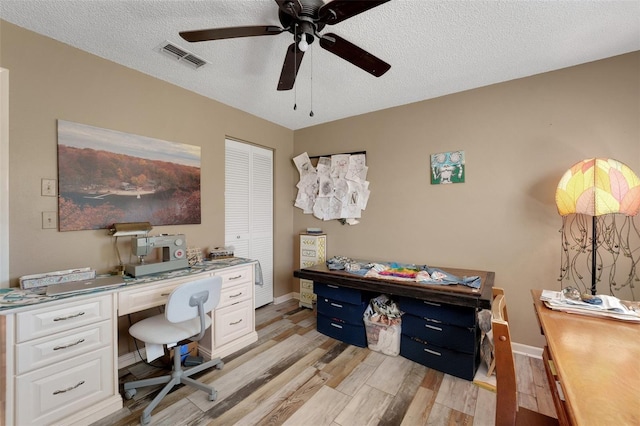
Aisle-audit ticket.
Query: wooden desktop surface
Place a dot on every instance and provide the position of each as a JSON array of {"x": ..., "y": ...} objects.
[{"x": 598, "y": 364}]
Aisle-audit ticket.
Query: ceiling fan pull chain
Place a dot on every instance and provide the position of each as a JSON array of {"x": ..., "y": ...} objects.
[
  {"x": 295, "y": 64},
  {"x": 311, "y": 112}
]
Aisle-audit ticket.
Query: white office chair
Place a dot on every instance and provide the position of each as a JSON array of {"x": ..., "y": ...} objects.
[{"x": 185, "y": 317}]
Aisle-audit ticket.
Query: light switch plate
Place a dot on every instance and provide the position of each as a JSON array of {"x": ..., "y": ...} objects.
[
  {"x": 49, "y": 220},
  {"x": 48, "y": 187}
]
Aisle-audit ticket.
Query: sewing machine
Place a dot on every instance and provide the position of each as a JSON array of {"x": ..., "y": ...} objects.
[{"x": 174, "y": 254}]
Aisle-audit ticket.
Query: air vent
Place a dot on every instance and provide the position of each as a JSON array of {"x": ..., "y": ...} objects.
[{"x": 181, "y": 55}]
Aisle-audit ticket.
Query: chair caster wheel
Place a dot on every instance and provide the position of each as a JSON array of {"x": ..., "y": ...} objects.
[
  {"x": 213, "y": 396},
  {"x": 219, "y": 365},
  {"x": 145, "y": 420},
  {"x": 129, "y": 393}
]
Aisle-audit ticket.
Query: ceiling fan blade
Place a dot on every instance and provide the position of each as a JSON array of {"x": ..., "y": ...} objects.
[
  {"x": 338, "y": 10},
  {"x": 230, "y": 32},
  {"x": 290, "y": 7},
  {"x": 352, "y": 53},
  {"x": 290, "y": 67}
]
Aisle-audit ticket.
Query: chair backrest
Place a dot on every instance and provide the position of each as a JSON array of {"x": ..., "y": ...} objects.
[
  {"x": 506, "y": 386},
  {"x": 496, "y": 292},
  {"x": 193, "y": 299}
]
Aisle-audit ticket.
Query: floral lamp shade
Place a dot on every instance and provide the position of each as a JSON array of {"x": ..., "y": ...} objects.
[{"x": 598, "y": 186}]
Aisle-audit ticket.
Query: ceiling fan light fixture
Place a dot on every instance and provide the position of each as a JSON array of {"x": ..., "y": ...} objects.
[{"x": 303, "y": 45}]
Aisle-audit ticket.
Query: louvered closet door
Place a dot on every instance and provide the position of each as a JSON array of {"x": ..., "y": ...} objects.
[{"x": 249, "y": 209}]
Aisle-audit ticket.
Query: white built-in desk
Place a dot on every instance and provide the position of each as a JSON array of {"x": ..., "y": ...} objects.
[{"x": 59, "y": 355}]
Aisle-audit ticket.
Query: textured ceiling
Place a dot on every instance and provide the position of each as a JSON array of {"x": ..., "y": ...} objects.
[{"x": 434, "y": 47}]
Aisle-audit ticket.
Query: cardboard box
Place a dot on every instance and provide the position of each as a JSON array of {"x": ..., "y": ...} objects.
[{"x": 190, "y": 349}]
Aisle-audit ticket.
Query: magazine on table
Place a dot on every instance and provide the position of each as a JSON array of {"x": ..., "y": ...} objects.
[{"x": 610, "y": 306}]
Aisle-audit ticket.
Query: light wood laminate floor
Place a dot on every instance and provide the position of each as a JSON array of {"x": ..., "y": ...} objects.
[{"x": 294, "y": 375}]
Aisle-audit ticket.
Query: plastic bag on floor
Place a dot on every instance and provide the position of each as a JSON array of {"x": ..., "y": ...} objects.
[{"x": 383, "y": 325}]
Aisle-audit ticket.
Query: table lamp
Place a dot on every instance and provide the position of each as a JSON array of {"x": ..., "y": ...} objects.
[
  {"x": 598, "y": 188},
  {"x": 126, "y": 229}
]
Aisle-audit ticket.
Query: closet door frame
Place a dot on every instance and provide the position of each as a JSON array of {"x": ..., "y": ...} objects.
[
  {"x": 249, "y": 183},
  {"x": 4, "y": 178}
]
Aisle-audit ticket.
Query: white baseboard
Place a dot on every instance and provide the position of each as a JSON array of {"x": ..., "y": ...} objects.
[
  {"x": 527, "y": 350},
  {"x": 282, "y": 299},
  {"x": 130, "y": 358}
]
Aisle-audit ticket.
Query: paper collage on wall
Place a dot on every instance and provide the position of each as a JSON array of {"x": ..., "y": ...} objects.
[
  {"x": 336, "y": 188},
  {"x": 447, "y": 167}
]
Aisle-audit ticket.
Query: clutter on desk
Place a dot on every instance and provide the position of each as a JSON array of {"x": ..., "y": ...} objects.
[
  {"x": 601, "y": 305},
  {"x": 220, "y": 253},
  {"x": 56, "y": 277},
  {"x": 382, "y": 320},
  {"x": 194, "y": 255},
  {"x": 14, "y": 297},
  {"x": 402, "y": 272}
]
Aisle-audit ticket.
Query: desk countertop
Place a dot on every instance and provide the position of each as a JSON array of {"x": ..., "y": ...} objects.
[
  {"x": 12, "y": 298},
  {"x": 598, "y": 364}
]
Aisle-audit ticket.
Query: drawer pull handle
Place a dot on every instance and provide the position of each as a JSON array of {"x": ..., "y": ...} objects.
[
  {"x": 68, "y": 389},
  {"x": 236, "y": 322},
  {"x": 433, "y": 327},
  {"x": 165, "y": 294},
  {"x": 336, "y": 325},
  {"x": 433, "y": 352},
  {"x": 236, "y": 295},
  {"x": 235, "y": 278},
  {"x": 336, "y": 305},
  {"x": 79, "y": 314},
  {"x": 57, "y": 348},
  {"x": 431, "y": 303},
  {"x": 332, "y": 286}
]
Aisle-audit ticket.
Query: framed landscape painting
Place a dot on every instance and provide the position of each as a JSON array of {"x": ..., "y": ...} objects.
[{"x": 106, "y": 177}]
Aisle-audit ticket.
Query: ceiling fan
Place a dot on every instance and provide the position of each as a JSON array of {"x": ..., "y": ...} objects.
[{"x": 305, "y": 19}]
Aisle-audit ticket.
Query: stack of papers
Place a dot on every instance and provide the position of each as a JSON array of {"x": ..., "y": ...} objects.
[{"x": 611, "y": 306}]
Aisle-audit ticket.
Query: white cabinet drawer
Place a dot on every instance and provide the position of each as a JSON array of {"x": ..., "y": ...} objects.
[
  {"x": 235, "y": 276},
  {"x": 234, "y": 294},
  {"x": 54, "y": 319},
  {"x": 62, "y": 346},
  {"x": 49, "y": 394},
  {"x": 232, "y": 322},
  {"x": 145, "y": 297}
]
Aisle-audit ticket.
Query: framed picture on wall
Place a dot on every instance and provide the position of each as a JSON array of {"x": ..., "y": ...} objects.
[
  {"x": 106, "y": 177},
  {"x": 447, "y": 167}
]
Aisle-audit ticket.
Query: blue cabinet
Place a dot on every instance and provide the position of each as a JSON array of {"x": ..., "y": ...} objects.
[
  {"x": 340, "y": 311},
  {"x": 441, "y": 336}
]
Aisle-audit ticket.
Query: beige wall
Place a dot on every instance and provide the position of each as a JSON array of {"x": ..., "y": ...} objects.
[
  {"x": 519, "y": 138},
  {"x": 50, "y": 80}
]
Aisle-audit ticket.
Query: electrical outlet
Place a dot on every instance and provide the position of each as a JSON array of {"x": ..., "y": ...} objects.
[
  {"x": 48, "y": 187},
  {"x": 49, "y": 220}
]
